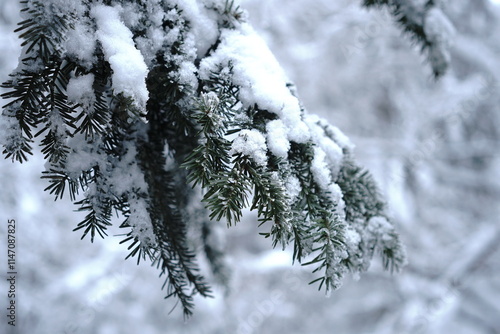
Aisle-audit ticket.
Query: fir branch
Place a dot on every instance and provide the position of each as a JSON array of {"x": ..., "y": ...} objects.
[
  {"x": 58, "y": 180},
  {"x": 93, "y": 122},
  {"x": 272, "y": 203},
  {"x": 187, "y": 139},
  {"x": 300, "y": 236},
  {"x": 327, "y": 233},
  {"x": 136, "y": 248},
  {"x": 361, "y": 194},
  {"x": 175, "y": 281},
  {"x": 17, "y": 148},
  {"x": 94, "y": 119},
  {"x": 380, "y": 236},
  {"x": 173, "y": 257},
  {"x": 411, "y": 18},
  {"x": 97, "y": 220},
  {"x": 232, "y": 14},
  {"x": 166, "y": 94},
  {"x": 57, "y": 113},
  {"x": 210, "y": 164},
  {"x": 325, "y": 229},
  {"x": 228, "y": 193},
  {"x": 39, "y": 88},
  {"x": 27, "y": 94},
  {"x": 209, "y": 158},
  {"x": 41, "y": 32},
  {"x": 54, "y": 148},
  {"x": 172, "y": 254},
  {"x": 98, "y": 201}
]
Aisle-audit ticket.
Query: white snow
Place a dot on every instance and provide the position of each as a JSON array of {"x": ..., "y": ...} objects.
[
  {"x": 61, "y": 7},
  {"x": 127, "y": 63},
  {"x": 151, "y": 44},
  {"x": 322, "y": 174},
  {"x": 352, "y": 238},
  {"x": 203, "y": 23},
  {"x": 277, "y": 140},
  {"x": 57, "y": 126},
  {"x": 261, "y": 80},
  {"x": 251, "y": 143},
  {"x": 333, "y": 151},
  {"x": 155, "y": 35},
  {"x": 293, "y": 188},
  {"x": 187, "y": 74},
  {"x": 172, "y": 35},
  {"x": 10, "y": 132},
  {"x": 81, "y": 43},
  {"x": 79, "y": 90},
  {"x": 210, "y": 102},
  {"x": 139, "y": 219},
  {"x": 126, "y": 173},
  {"x": 83, "y": 156},
  {"x": 379, "y": 225},
  {"x": 320, "y": 170},
  {"x": 130, "y": 14},
  {"x": 337, "y": 135},
  {"x": 335, "y": 194}
]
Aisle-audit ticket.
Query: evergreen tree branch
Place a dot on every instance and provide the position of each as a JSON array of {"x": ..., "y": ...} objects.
[
  {"x": 207, "y": 123},
  {"x": 413, "y": 18}
]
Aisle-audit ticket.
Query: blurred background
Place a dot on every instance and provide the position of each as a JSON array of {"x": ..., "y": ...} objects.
[{"x": 433, "y": 146}]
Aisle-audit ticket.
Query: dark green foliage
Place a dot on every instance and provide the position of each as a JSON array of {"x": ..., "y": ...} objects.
[
  {"x": 97, "y": 219},
  {"x": 37, "y": 91},
  {"x": 361, "y": 195},
  {"x": 171, "y": 256},
  {"x": 58, "y": 180},
  {"x": 149, "y": 162},
  {"x": 327, "y": 234}
]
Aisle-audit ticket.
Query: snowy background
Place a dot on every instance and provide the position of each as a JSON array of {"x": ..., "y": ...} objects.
[{"x": 434, "y": 147}]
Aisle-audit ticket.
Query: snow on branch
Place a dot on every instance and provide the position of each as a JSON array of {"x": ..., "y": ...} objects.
[{"x": 167, "y": 100}]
